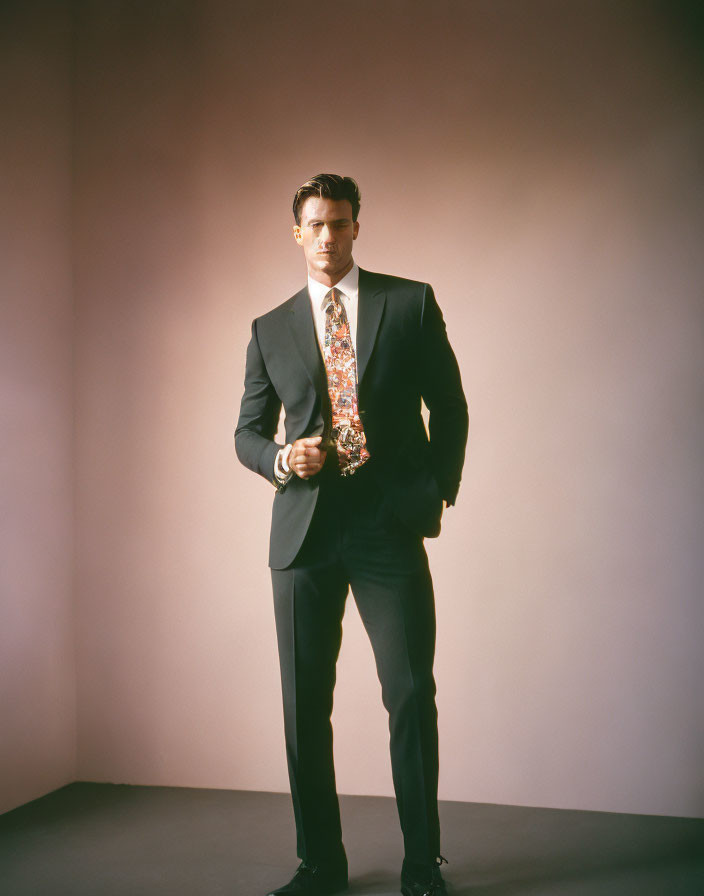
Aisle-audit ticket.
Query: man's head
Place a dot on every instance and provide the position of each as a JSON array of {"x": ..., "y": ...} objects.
[{"x": 325, "y": 209}]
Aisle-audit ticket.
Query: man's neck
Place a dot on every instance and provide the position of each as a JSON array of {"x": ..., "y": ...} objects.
[{"x": 329, "y": 280}]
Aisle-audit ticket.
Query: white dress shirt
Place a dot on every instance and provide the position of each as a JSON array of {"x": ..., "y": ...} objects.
[{"x": 348, "y": 288}]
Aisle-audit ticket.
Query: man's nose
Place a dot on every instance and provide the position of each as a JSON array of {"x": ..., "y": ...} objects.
[{"x": 326, "y": 234}]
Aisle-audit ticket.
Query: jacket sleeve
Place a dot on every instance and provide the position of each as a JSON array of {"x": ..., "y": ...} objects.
[
  {"x": 441, "y": 388},
  {"x": 259, "y": 415}
]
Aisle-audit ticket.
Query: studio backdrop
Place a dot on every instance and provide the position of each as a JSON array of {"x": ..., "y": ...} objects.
[{"x": 540, "y": 165}]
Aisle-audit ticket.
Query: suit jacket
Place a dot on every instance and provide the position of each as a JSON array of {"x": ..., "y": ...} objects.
[{"x": 403, "y": 356}]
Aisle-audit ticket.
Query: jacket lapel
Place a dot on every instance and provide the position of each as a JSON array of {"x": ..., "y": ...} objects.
[
  {"x": 301, "y": 323},
  {"x": 369, "y": 313}
]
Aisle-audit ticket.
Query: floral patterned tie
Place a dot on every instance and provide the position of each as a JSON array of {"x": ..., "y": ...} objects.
[{"x": 341, "y": 366}]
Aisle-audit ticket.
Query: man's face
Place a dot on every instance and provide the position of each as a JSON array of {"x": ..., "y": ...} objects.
[{"x": 326, "y": 234}]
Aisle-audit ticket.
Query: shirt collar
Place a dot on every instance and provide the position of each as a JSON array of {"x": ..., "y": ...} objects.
[{"x": 348, "y": 286}]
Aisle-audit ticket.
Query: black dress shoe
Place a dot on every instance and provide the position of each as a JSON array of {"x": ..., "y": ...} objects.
[
  {"x": 314, "y": 880},
  {"x": 419, "y": 880}
]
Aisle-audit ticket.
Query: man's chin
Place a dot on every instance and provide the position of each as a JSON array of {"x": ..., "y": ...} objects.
[
  {"x": 331, "y": 267},
  {"x": 325, "y": 269}
]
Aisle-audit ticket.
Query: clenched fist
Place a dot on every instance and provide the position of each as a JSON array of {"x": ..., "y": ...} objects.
[{"x": 306, "y": 457}]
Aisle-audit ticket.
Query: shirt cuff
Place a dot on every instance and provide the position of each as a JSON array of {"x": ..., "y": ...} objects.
[{"x": 282, "y": 471}]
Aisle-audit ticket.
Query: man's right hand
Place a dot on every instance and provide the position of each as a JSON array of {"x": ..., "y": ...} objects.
[{"x": 307, "y": 457}]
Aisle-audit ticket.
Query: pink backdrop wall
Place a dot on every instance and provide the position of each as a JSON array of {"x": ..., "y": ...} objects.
[
  {"x": 37, "y": 650},
  {"x": 541, "y": 170}
]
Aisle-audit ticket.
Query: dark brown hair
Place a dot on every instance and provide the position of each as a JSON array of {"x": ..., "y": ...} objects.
[{"x": 327, "y": 186}]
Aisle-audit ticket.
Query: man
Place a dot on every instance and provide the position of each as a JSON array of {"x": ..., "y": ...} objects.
[{"x": 358, "y": 486}]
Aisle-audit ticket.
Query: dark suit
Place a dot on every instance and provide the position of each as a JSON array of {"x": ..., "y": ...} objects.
[{"x": 366, "y": 530}]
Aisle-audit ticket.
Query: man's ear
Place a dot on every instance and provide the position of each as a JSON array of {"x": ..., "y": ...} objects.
[
  {"x": 355, "y": 230},
  {"x": 297, "y": 234}
]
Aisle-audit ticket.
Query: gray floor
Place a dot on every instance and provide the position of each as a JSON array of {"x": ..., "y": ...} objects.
[{"x": 107, "y": 840}]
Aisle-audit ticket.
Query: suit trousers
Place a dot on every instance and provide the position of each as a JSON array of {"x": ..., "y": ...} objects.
[{"x": 355, "y": 540}]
